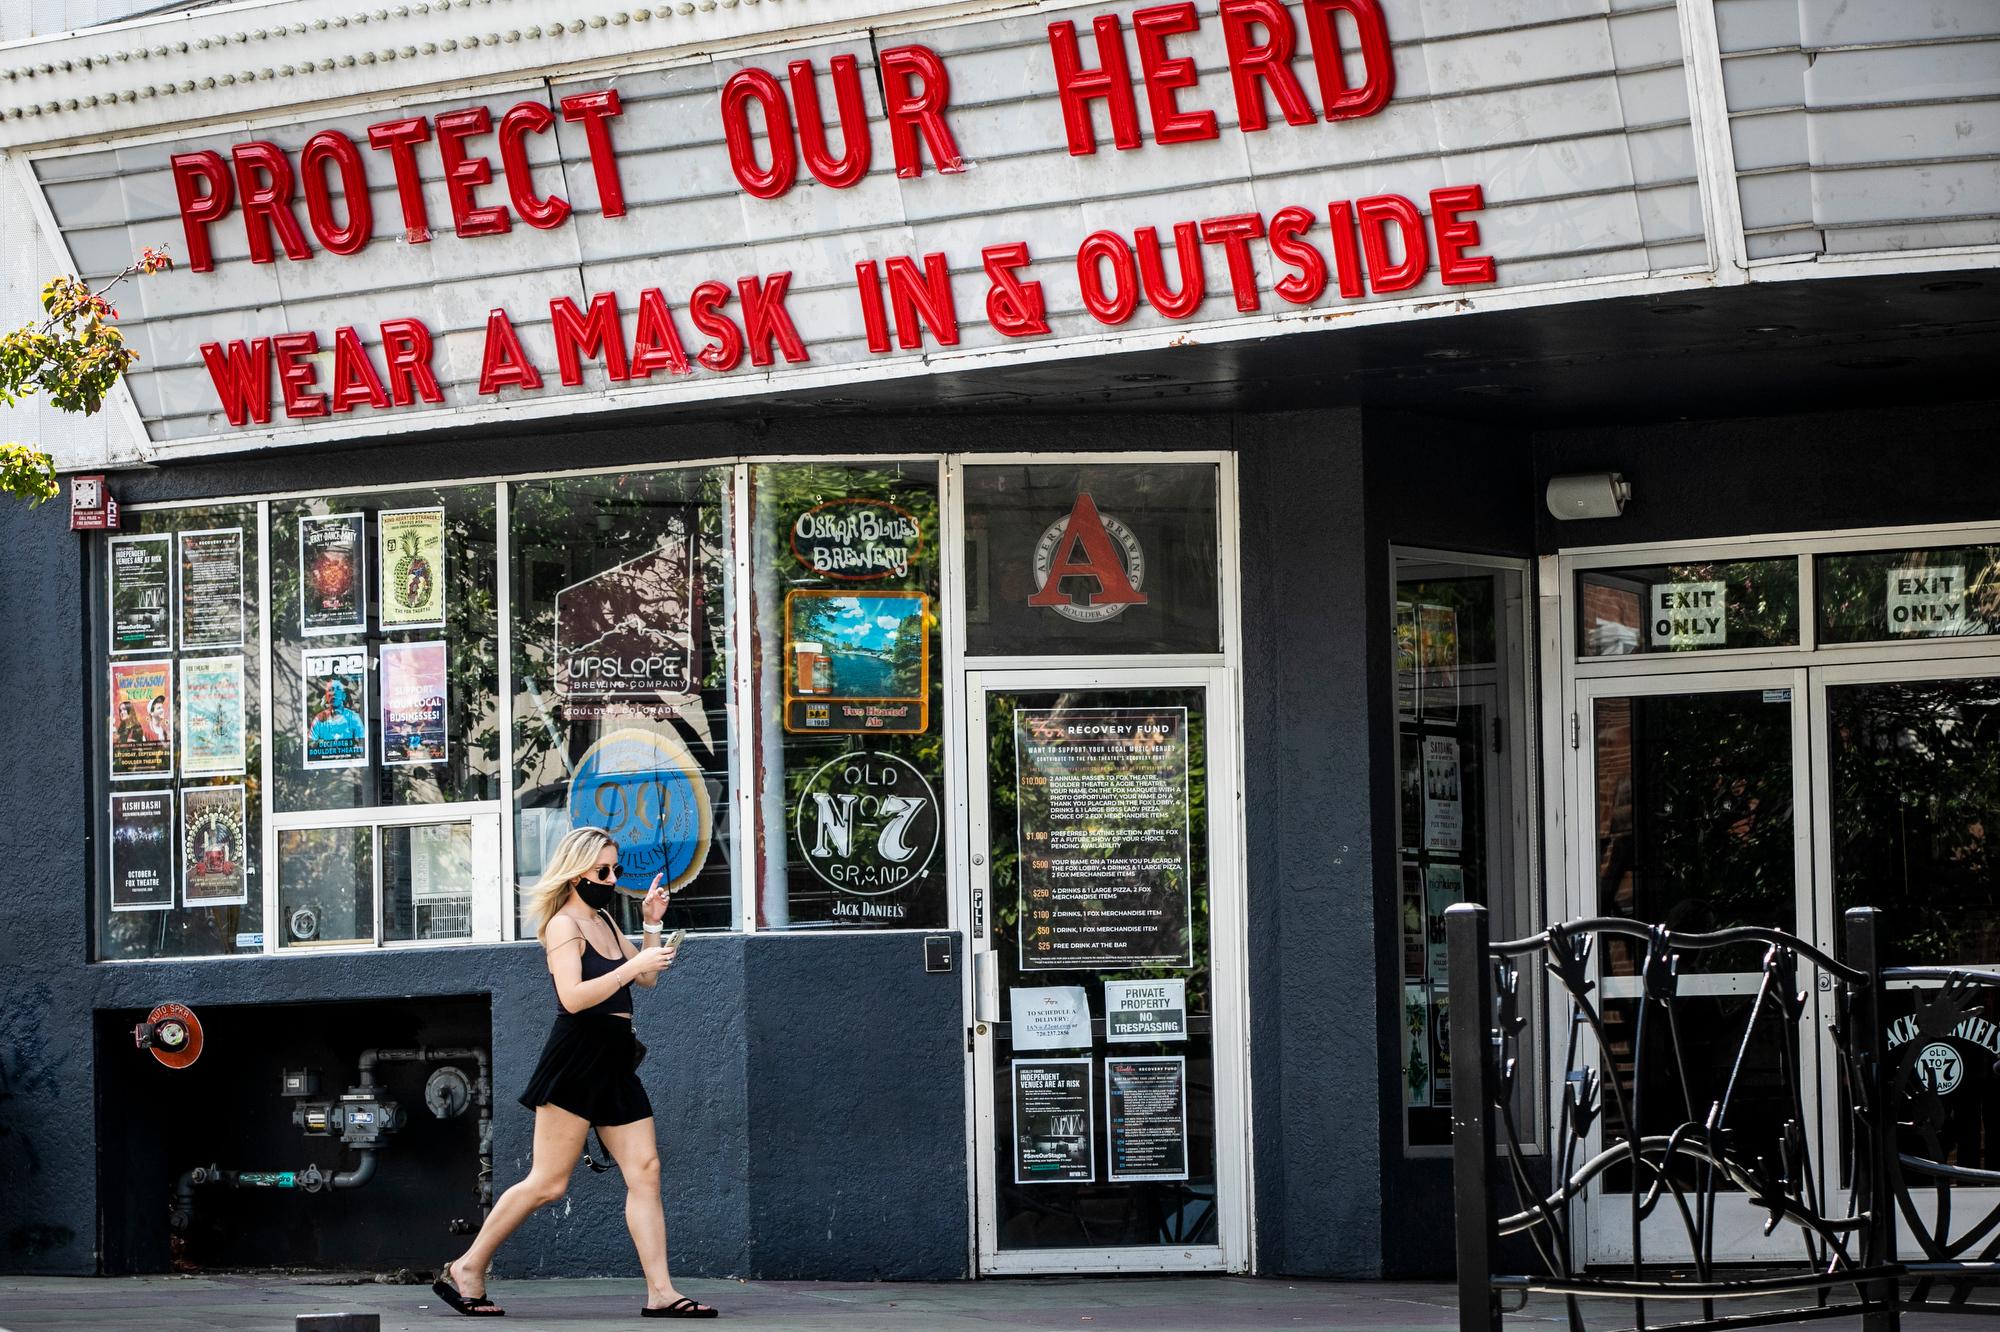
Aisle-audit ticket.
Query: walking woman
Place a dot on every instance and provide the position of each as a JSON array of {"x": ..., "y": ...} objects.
[{"x": 587, "y": 1074}]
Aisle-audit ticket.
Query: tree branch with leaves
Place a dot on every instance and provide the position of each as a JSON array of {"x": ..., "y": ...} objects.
[{"x": 72, "y": 355}]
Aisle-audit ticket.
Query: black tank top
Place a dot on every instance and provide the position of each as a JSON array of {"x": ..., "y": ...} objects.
[{"x": 596, "y": 964}]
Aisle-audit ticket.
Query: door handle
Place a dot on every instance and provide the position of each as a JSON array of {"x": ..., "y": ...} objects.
[{"x": 985, "y": 987}]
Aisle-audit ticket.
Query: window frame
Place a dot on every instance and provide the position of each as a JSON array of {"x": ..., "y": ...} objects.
[{"x": 1517, "y": 656}]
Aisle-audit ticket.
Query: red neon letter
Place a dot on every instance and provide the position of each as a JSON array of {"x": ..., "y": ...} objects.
[
  {"x": 1013, "y": 307},
  {"x": 295, "y": 374},
  {"x": 834, "y": 172},
  {"x": 200, "y": 209},
  {"x": 874, "y": 314},
  {"x": 464, "y": 174},
  {"x": 657, "y": 342},
  {"x": 594, "y": 109},
  {"x": 1116, "y": 305},
  {"x": 597, "y": 334},
  {"x": 506, "y": 363},
  {"x": 1153, "y": 275},
  {"x": 331, "y": 147},
  {"x": 267, "y": 206},
  {"x": 354, "y": 377},
  {"x": 1346, "y": 259},
  {"x": 1288, "y": 229},
  {"x": 1166, "y": 75},
  {"x": 399, "y": 138},
  {"x": 1455, "y": 236},
  {"x": 1084, "y": 550},
  {"x": 1111, "y": 80},
  {"x": 744, "y": 86},
  {"x": 766, "y": 321},
  {"x": 1234, "y": 235},
  {"x": 919, "y": 301},
  {"x": 519, "y": 122},
  {"x": 1375, "y": 214},
  {"x": 915, "y": 89},
  {"x": 242, "y": 378},
  {"x": 1342, "y": 102},
  {"x": 406, "y": 345},
  {"x": 705, "y": 308},
  {"x": 1268, "y": 61}
]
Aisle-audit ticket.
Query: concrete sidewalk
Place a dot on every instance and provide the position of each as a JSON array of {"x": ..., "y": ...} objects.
[{"x": 1148, "y": 1304}]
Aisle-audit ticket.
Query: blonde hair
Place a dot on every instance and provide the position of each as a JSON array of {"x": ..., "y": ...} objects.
[{"x": 573, "y": 857}]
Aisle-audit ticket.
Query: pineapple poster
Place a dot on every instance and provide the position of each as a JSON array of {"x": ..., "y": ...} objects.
[{"x": 411, "y": 562}]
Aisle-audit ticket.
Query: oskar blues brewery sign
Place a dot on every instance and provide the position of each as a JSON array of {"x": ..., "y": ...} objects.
[
  {"x": 1940, "y": 1065},
  {"x": 857, "y": 540}
]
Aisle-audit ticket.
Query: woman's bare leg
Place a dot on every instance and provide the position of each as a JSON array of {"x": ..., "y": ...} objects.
[
  {"x": 558, "y": 1143},
  {"x": 637, "y": 1152}
]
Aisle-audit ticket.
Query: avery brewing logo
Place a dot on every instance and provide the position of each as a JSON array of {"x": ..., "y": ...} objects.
[
  {"x": 867, "y": 823},
  {"x": 1093, "y": 545}
]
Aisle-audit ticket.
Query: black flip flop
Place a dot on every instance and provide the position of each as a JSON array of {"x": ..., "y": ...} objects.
[
  {"x": 681, "y": 1308},
  {"x": 480, "y": 1307}
]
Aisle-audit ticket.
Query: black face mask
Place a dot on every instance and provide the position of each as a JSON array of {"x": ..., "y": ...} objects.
[{"x": 595, "y": 895}]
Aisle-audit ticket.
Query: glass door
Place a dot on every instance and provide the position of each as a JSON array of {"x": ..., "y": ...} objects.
[
  {"x": 1909, "y": 821},
  {"x": 1105, "y": 914},
  {"x": 1688, "y": 797}
]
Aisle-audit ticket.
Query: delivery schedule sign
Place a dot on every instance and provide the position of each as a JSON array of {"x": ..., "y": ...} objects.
[{"x": 1045, "y": 178}]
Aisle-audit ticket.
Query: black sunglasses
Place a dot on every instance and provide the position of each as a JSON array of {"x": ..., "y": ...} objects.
[{"x": 606, "y": 873}]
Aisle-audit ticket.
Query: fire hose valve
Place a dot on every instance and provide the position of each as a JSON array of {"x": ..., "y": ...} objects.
[{"x": 172, "y": 1033}]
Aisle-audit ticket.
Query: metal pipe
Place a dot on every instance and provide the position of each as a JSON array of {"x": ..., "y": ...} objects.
[
  {"x": 363, "y": 1171},
  {"x": 482, "y": 1095}
]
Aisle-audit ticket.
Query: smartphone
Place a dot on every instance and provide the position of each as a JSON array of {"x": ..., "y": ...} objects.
[{"x": 674, "y": 940}]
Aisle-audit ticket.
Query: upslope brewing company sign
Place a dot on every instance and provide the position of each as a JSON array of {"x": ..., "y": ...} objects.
[
  {"x": 627, "y": 634},
  {"x": 623, "y": 271},
  {"x": 857, "y": 540}
]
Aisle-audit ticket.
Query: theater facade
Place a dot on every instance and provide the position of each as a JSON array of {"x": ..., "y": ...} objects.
[{"x": 1067, "y": 535}]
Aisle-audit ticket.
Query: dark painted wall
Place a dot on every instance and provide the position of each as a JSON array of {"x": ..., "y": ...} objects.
[
  {"x": 1896, "y": 465},
  {"x": 1311, "y": 601}
]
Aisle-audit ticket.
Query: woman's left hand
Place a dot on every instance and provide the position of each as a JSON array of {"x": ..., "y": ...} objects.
[{"x": 654, "y": 908}]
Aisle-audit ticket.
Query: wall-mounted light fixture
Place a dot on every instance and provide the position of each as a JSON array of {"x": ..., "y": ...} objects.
[{"x": 1588, "y": 495}]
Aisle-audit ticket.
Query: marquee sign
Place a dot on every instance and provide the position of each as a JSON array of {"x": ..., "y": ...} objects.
[{"x": 1054, "y": 183}]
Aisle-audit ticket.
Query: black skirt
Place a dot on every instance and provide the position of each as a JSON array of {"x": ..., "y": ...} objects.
[{"x": 586, "y": 1069}]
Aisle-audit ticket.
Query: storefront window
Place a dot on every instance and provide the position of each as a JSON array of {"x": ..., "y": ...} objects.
[
  {"x": 622, "y": 617},
  {"x": 180, "y": 752},
  {"x": 385, "y": 650},
  {"x": 1068, "y": 559},
  {"x": 1688, "y": 607},
  {"x": 849, "y": 688},
  {"x": 1895, "y": 596},
  {"x": 1462, "y": 778}
]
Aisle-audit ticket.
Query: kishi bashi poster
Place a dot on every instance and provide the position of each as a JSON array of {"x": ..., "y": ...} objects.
[
  {"x": 142, "y": 850},
  {"x": 332, "y": 591},
  {"x": 335, "y": 685},
  {"x": 411, "y": 565}
]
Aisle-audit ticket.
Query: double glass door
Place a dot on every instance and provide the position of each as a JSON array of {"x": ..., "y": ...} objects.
[
  {"x": 1109, "y": 1095},
  {"x": 1783, "y": 798}
]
